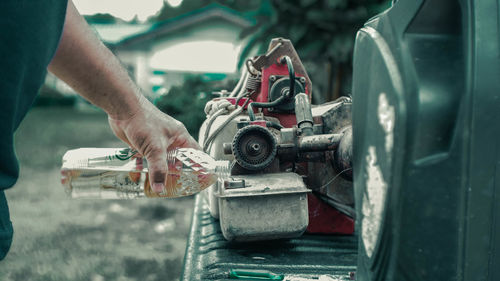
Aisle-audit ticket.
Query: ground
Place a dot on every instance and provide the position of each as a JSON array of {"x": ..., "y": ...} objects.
[{"x": 58, "y": 238}]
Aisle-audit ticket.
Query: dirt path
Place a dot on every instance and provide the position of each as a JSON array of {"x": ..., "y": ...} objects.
[{"x": 57, "y": 238}]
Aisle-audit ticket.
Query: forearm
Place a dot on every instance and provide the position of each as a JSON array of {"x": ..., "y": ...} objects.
[{"x": 85, "y": 64}]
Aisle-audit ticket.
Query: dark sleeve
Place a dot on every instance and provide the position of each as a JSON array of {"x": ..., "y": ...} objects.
[{"x": 29, "y": 34}]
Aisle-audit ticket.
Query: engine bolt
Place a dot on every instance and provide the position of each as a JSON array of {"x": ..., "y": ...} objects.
[
  {"x": 272, "y": 78},
  {"x": 303, "y": 80},
  {"x": 254, "y": 148}
]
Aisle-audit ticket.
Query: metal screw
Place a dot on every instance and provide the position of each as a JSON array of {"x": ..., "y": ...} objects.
[
  {"x": 272, "y": 78},
  {"x": 302, "y": 80},
  {"x": 286, "y": 92},
  {"x": 270, "y": 109},
  {"x": 255, "y": 148}
]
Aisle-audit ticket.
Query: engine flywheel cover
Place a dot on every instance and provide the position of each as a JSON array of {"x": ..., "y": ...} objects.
[{"x": 254, "y": 147}]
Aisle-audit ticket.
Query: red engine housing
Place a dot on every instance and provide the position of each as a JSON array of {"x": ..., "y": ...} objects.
[
  {"x": 286, "y": 120},
  {"x": 323, "y": 218}
]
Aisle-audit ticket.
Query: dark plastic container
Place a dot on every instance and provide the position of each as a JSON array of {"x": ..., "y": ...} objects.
[{"x": 426, "y": 121}]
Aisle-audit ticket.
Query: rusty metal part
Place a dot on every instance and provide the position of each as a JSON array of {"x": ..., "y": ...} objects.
[
  {"x": 254, "y": 147},
  {"x": 250, "y": 68},
  {"x": 253, "y": 83},
  {"x": 288, "y": 145},
  {"x": 274, "y": 167},
  {"x": 227, "y": 148},
  {"x": 297, "y": 148},
  {"x": 343, "y": 155},
  {"x": 334, "y": 115},
  {"x": 232, "y": 183},
  {"x": 270, "y": 206},
  {"x": 328, "y": 178},
  {"x": 281, "y": 87},
  {"x": 278, "y": 48},
  {"x": 303, "y": 114},
  {"x": 311, "y": 156},
  {"x": 269, "y": 57},
  {"x": 322, "y": 142}
]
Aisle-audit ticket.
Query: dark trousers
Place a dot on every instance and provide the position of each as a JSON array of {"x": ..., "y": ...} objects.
[{"x": 6, "y": 230}]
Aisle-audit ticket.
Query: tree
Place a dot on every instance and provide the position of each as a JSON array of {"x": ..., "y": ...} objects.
[
  {"x": 101, "y": 18},
  {"x": 186, "y": 102},
  {"x": 168, "y": 12},
  {"x": 322, "y": 31}
]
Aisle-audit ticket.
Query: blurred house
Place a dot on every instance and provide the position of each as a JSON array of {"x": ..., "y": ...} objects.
[{"x": 159, "y": 56}]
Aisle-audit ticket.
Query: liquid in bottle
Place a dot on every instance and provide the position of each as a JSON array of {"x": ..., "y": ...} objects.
[{"x": 119, "y": 173}]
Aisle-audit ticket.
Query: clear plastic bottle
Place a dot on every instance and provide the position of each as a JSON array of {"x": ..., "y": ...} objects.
[{"x": 117, "y": 173}]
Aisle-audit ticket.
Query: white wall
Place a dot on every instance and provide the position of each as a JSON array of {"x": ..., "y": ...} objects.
[{"x": 211, "y": 47}]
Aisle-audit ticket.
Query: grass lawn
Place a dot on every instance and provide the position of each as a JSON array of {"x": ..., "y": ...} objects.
[{"x": 57, "y": 238}]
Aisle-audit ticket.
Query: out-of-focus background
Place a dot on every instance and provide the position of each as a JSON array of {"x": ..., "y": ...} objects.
[{"x": 178, "y": 52}]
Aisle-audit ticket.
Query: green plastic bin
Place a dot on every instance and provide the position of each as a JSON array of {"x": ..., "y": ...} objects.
[{"x": 426, "y": 121}]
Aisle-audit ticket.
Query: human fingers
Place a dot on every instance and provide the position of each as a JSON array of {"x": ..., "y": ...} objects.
[{"x": 156, "y": 157}]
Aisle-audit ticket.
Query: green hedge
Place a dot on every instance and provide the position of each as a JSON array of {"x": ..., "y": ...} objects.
[{"x": 186, "y": 103}]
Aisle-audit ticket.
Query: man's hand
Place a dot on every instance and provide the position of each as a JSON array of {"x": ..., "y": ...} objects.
[
  {"x": 84, "y": 63},
  {"x": 152, "y": 133}
]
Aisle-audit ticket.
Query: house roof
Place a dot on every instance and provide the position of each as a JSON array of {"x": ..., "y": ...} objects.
[
  {"x": 213, "y": 11},
  {"x": 116, "y": 32}
]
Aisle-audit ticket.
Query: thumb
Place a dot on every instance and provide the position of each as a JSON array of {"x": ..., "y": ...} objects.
[{"x": 157, "y": 164}]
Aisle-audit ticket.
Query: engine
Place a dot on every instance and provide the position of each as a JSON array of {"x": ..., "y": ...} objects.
[{"x": 291, "y": 162}]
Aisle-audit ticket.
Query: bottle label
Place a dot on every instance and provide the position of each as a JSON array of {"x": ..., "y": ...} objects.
[
  {"x": 125, "y": 154},
  {"x": 110, "y": 159}
]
